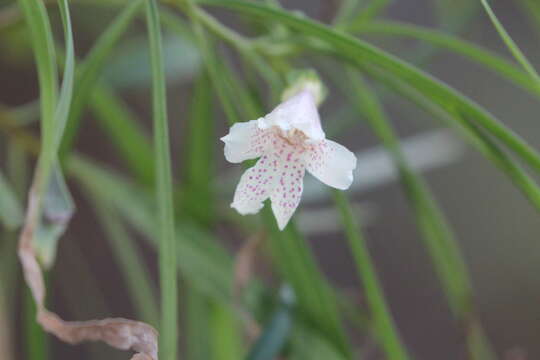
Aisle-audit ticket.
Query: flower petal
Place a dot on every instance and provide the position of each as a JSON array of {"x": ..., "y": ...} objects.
[
  {"x": 245, "y": 141},
  {"x": 331, "y": 163},
  {"x": 255, "y": 186},
  {"x": 288, "y": 189},
  {"x": 299, "y": 112}
]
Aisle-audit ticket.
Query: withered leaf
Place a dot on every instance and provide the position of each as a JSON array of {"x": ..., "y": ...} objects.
[{"x": 119, "y": 333}]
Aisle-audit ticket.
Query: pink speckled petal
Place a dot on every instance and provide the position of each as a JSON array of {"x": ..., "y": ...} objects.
[
  {"x": 245, "y": 141},
  {"x": 331, "y": 163},
  {"x": 255, "y": 186},
  {"x": 288, "y": 189}
]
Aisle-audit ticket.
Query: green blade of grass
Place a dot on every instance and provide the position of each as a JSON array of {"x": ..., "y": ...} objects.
[
  {"x": 90, "y": 69},
  {"x": 475, "y": 53},
  {"x": 360, "y": 53},
  {"x": 164, "y": 194},
  {"x": 198, "y": 309},
  {"x": 383, "y": 323},
  {"x": 35, "y": 340},
  {"x": 66, "y": 91},
  {"x": 220, "y": 85},
  {"x": 225, "y": 335},
  {"x": 510, "y": 44},
  {"x": 199, "y": 168},
  {"x": 122, "y": 127},
  {"x": 483, "y": 143},
  {"x": 41, "y": 36}
]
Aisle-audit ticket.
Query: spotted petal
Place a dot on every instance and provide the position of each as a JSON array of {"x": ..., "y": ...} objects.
[
  {"x": 288, "y": 188},
  {"x": 255, "y": 186},
  {"x": 245, "y": 141},
  {"x": 331, "y": 163}
]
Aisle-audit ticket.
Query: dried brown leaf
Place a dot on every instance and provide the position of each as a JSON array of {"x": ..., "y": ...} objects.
[{"x": 119, "y": 333}]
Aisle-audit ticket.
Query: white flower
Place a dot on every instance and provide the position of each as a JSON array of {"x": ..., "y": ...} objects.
[{"x": 288, "y": 141}]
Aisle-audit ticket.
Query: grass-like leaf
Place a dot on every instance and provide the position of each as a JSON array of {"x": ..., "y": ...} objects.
[
  {"x": 510, "y": 44},
  {"x": 164, "y": 193},
  {"x": 382, "y": 319},
  {"x": 473, "y": 52},
  {"x": 470, "y": 131},
  {"x": 36, "y": 17},
  {"x": 122, "y": 126},
  {"x": 90, "y": 69},
  {"x": 199, "y": 168}
]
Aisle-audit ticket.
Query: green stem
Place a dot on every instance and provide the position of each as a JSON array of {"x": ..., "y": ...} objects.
[{"x": 164, "y": 193}]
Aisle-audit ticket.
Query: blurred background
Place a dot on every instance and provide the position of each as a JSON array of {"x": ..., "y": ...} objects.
[{"x": 496, "y": 228}]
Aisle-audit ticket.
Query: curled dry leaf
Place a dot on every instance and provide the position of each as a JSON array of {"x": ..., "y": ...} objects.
[{"x": 119, "y": 333}]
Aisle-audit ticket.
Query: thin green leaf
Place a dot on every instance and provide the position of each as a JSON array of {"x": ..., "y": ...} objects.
[
  {"x": 360, "y": 53},
  {"x": 474, "y": 135},
  {"x": 510, "y": 44},
  {"x": 226, "y": 341},
  {"x": 66, "y": 91},
  {"x": 382, "y": 319},
  {"x": 89, "y": 71},
  {"x": 198, "y": 310},
  {"x": 164, "y": 193},
  {"x": 36, "y": 17},
  {"x": 475, "y": 53},
  {"x": 199, "y": 168},
  {"x": 123, "y": 128},
  {"x": 35, "y": 339}
]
